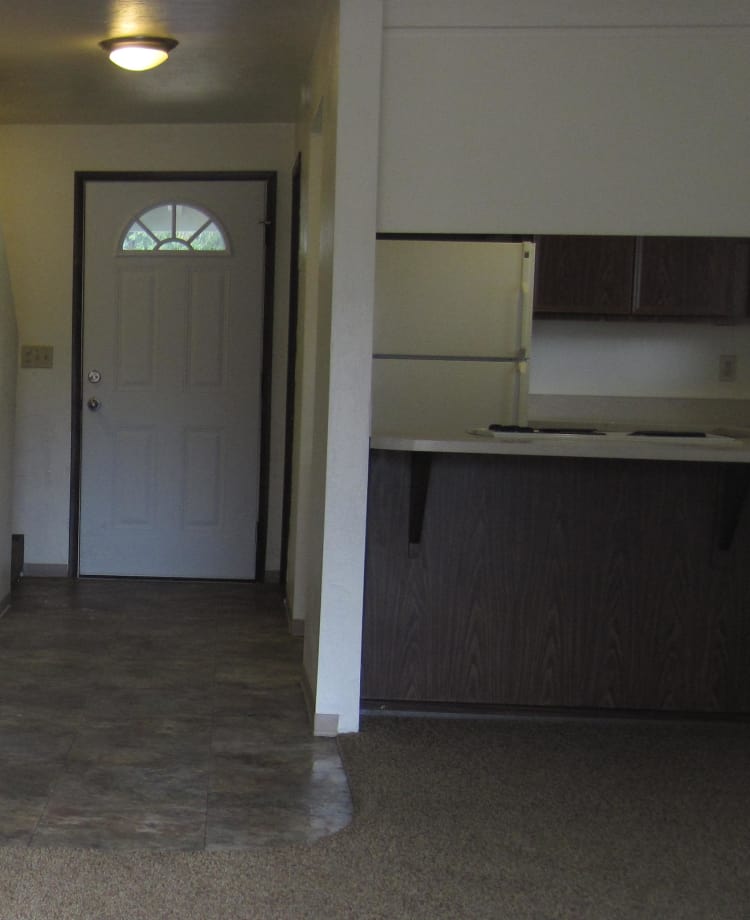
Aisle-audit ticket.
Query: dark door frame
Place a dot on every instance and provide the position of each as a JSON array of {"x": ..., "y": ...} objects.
[
  {"x": 80, "y": 181},
  {"x": 291, "y": 362}
]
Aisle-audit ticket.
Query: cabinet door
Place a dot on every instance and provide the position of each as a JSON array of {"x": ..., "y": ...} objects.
[
  {"x": 584, "y": 274},
  {"x": 693, "y": 276}
]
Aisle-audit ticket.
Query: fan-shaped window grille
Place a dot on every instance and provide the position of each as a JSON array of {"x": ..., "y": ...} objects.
[{"x": 174, "y": 228}]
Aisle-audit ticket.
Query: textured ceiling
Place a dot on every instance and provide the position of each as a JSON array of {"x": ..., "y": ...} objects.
[{"x": 237, "y": 61}]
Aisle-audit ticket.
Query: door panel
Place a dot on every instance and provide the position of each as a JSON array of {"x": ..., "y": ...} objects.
[
  {"x": 135, "y": 317},
  {"x": 133, "y": 495},
  {"x": 170, "y": 459},
  {"x": 205, "y": 360},
  {"x": 202, "y": 478}
]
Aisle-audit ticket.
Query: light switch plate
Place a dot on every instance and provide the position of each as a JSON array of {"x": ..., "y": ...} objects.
[
  {"x": 37, "y": 355},
  {"x": 727, "y": 368}
]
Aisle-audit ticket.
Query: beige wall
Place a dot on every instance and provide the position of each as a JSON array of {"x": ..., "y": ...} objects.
[
  {"x": 8, "y": 357},
  {"x": 643, "y": 359},
  {"x": 38, "y": 163},
  {"x": 316, "y": 140}
]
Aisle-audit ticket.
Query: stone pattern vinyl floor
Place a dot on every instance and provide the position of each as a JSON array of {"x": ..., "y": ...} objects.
[{"x": 162, "y": 715}]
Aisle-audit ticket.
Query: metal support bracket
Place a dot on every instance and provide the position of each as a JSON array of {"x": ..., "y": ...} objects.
[
  {"x": 735, "y": 488},
  {"x": 419, "y": 482}
]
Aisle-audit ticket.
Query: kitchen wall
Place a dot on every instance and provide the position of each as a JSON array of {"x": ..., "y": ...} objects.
[
  {"x": 667, "y": 360},
  {"x": 8, "y": 358},
  {"x": 37, "y": 163}
]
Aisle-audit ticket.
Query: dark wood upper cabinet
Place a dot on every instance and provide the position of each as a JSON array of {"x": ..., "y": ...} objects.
[
  {"x": 584, "y": 274},
  {"x": 680, "y": 277},
  {"x": 693, "y": 276}
]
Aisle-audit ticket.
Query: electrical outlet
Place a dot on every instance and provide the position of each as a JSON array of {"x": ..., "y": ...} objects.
[
  {"x": 727, "y": 368},
  {"x": 37, "y": 356}
]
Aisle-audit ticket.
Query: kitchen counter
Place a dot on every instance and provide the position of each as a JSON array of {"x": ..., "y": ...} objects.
[{"x": 719, "y": 446}]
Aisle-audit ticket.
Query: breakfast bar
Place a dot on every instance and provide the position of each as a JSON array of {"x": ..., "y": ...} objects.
[{"x": 565, "y": 570}]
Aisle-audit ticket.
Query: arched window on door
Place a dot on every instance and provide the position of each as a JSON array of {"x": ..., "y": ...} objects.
[{"x": 175, "y": 227}]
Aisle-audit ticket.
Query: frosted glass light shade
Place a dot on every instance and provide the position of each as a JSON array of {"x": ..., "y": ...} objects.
[{"x": 138, "y": 52}]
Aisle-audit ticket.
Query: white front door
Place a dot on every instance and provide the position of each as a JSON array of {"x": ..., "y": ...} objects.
[{"x": 172, "y": 352}]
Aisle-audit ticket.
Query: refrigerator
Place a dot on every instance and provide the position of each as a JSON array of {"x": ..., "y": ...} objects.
[{"x": 452, "y": 335}]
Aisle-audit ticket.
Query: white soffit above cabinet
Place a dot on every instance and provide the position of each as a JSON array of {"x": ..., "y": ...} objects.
[
  {"x": 654, "y": 138},
  {"x": 488, "y": 14}
]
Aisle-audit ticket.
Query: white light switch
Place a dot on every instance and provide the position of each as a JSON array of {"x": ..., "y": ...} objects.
[
  {"x": 727, "y": 368},
  {"x": 37, "y": 356}
]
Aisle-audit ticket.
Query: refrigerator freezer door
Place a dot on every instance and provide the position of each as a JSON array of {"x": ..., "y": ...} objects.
[{"x": 449, "y": 298}]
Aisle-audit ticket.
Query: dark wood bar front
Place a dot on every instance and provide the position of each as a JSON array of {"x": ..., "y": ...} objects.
[{"x": 557, "y": 582}]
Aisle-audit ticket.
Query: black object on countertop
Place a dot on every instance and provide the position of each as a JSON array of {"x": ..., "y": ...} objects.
[
  {"x": 669, "y": 434},
  {"x": 525, "y": 429},
  {"x": 570, "y": 431}
]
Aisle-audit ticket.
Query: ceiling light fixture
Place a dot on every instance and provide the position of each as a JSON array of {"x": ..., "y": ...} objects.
[{"x": 138, "y": 52}]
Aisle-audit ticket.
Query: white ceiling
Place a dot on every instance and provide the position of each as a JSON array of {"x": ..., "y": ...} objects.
[{"x": 237, "y": 61}]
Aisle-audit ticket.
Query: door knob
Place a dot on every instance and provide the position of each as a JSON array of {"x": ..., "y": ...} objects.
[{"x": 94, "y": 404}]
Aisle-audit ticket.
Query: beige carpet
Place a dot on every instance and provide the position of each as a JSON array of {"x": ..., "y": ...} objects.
[{"x": 505, "y": 819}]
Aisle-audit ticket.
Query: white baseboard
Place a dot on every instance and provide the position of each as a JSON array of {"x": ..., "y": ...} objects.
[{"x": 324, "y": 725}]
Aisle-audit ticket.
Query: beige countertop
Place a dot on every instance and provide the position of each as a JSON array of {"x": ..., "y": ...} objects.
[{"x": 720, "y": 446}]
